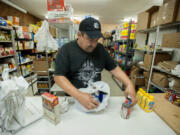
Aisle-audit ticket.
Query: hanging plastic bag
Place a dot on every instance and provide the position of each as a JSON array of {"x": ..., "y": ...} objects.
[
  {"x": 100, "y": 91},
  {"x": 45, "y": 40}
]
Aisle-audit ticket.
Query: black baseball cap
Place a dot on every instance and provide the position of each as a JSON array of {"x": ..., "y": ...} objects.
[{"x": 91, "y": 27}]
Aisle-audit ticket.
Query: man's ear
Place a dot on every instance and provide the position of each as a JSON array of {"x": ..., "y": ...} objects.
[{"x": 79, "y": 34}]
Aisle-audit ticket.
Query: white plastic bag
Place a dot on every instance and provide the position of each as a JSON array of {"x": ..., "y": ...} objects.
[
  {"x": 45, "y": 40},
  {"x": 12, "y": 98},
  {"x": 93, "y": 89}
]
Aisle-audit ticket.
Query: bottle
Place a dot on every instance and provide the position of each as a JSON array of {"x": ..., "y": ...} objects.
[
  {"x": 150, "y": 103},
  {"x": 126, "y": 109}
]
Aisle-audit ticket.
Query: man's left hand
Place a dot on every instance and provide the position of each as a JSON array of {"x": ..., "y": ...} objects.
[{"x": 130, "y": 91}]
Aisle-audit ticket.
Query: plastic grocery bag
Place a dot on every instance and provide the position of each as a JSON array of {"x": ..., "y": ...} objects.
[
  {"x": 100, "y": 91},
  {"x": 11, "y": 100},
  {"x": 45, "y": 40}
]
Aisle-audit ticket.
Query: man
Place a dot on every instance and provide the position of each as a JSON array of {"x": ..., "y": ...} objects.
[{"x": 81, "y": 61}]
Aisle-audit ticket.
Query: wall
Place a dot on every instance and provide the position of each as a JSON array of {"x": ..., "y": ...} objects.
[
  {"x": 108, "y": 27},
  {"x": 24, "y": 19}
]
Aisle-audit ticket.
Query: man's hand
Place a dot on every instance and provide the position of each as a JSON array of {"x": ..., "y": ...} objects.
[
  {"x": 130, "y": 91},
  {"x": 87, "y": 101}
]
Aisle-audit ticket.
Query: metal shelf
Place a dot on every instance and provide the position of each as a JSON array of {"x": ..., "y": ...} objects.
[
  {"x": 124, "y": 53},
  {"x": 23, "y": 39},
  {"x": 25, "y": 62},
  {"x": 142, "y": 67},
  {"x": 7, "y": 56},
  {"x": 157, "y": 51},
  {"x": 165, "y": 89},
  {"x": 6, "y": 41},
  {"x": 5, "y": 28},
  {"x": 164, "y": 71},
  {"x": 27, "y": 74},
  {"x": 12, "y": 70},
  {"x": 155, "y": 85},
  {"x": 164, "y": 26},
  {"x": 25, "y": 50}
]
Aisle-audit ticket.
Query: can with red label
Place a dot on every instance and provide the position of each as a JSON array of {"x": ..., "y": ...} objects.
[{"x": 126, "y": 109}]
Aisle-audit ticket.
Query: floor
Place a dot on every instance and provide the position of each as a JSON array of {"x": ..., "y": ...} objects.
[{"x": 106, "y": 77}]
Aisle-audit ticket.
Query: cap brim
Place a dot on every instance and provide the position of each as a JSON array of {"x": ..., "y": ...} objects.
[{"x": 94, "y": 34}]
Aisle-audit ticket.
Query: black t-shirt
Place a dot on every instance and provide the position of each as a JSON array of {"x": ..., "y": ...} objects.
[{"x": 80, "y": 67}]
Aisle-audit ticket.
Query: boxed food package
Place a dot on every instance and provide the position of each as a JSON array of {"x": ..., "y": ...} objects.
[
  {"x": 40, "y": 66},
  {"x": 171, "y": 40},
  {"x": 51, "y": 107},
  {"x": 13, "y": 19},
  {"x": 143, "y": 21},
  {"x": 160, "y": 79},
  {"x": 159, "y": 57},
  {"x": 168, "y": 12}
]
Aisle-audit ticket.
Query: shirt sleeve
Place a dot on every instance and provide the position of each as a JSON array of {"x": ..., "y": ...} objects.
[
  {"x": 62, "y": 62},
  {"x": 109, "y": 62}
]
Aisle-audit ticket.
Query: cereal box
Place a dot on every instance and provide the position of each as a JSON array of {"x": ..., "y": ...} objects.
[{"x": 51, "y": 107}]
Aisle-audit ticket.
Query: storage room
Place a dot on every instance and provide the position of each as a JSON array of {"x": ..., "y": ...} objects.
[{"x": 75, "y": 67}]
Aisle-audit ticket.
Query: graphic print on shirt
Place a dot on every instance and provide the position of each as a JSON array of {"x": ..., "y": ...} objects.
[{"x": 88, "y": 72}]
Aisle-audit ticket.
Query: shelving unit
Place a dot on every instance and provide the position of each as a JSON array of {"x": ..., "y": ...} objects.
[
  {"x": 128, "y": 54},
  {"x": 155, "y": 51},
  {"x": 9, "y": 44},
  {"x": 46, "y": 81}
]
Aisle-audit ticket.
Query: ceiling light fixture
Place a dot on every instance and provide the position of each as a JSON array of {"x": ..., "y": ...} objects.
[{"x": 15, "y": 6}]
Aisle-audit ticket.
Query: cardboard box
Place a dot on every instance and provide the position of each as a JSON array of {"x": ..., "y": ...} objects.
[
  {"x": 13, "y": 19},
  {"x": 168, "y": 12},
  {"x": 178, "y": 13},
  {"x": 160, "y": 79},
  {"x": 138, "y": 80},
  {"x": 176, "y": 85},
  {"x": 40, "y": 66},
  {"x": 146, "y": 75},
  {"x": 143, "y": 21},
  {"x": 159, "y": 58},
  {"x": 154, "y": 19},
  {"x": 171, "y": 40},
  {"x": 134, "y": 72}
]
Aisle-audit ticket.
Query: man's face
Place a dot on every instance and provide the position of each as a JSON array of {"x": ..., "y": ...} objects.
[{"x": 87, "y": 44}]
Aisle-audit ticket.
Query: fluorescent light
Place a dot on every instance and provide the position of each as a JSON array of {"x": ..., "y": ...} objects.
[{"x": 15, "y": 6}]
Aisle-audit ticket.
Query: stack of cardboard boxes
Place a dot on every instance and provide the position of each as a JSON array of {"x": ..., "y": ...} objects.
[{"x": 169, "y": 12}]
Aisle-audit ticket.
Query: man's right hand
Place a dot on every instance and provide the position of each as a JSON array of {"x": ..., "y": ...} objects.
[{"x": 87, "y": 101}]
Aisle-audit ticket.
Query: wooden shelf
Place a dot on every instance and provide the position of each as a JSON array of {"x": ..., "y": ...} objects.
[{"x": 167, "y": 111}]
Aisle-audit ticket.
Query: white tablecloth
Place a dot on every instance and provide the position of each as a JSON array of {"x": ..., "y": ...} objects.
[{"x": 108, "y": 122}]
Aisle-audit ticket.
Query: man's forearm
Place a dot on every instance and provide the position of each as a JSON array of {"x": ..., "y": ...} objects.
[
  {"x": 67, "y": 86},
  {"x": 121, "y": 76}
]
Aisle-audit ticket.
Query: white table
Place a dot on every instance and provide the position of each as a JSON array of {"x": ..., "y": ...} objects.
[{"x": 108, "y": 122}]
